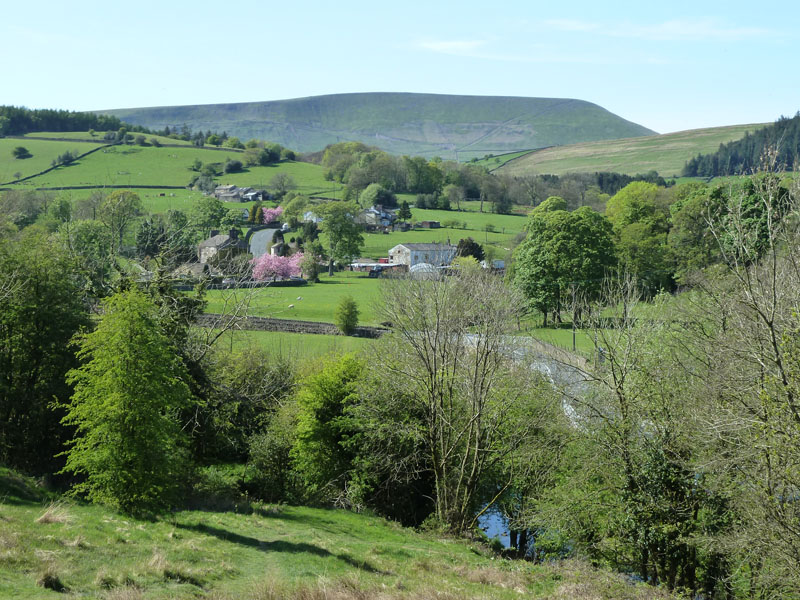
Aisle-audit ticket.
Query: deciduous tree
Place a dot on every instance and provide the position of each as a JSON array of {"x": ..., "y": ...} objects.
[{"x": 129, "y": 445}]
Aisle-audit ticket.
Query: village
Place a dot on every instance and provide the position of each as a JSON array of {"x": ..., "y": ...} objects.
[{"x": 220, "y": 255}]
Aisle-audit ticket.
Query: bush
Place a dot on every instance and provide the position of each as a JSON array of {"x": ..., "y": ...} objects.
[
  {"x": 347, "y": 315},
  {"x": 21, "y": 152},
  {"x": 233, "y": 166},
  {"x": 218, "y": 486}
]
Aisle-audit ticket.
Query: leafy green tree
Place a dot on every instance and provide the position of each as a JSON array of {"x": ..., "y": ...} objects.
[
  {"x": 294, "y": 209},
  {"x": 563, "y": 251},
  {"x": 639, "y": 214},
  {"x": 404, "y": 213},
  {"x": 691, "y": 241},
  {"x": 207, "y": 214},
  {"x": 117, "y": 211},
  {"x": 345, "y": 237},
  {"x": 233, "y": 142},
  {"x": 21, "y": 152},
  {"x": 281, "y": 184},
  {"x": 129, "y": 445},
  {"x": 374, "y": 194},
  {"x": 88, "y": 245},
  {"x": 552, "y": 203},
  {"x": 469, "y": 247},
  {"x": 41, "y": 309},
  {"x": 454, "y": 194},
  {"x": 346, "y": 317},
  {"x": 320, "y": 453},
  {"x": 233, "y": 166}
]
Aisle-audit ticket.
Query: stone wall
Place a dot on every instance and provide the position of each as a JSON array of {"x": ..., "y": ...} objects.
[{"x": 287, "y": 326}]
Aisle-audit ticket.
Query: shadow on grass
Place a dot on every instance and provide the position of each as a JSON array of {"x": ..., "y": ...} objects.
[{"x": 280, "y": 546}]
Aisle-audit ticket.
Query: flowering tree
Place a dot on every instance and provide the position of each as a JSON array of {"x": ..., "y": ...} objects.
[
  {"x": 272, "y": 214},
  {"x": 268, "y": 266}
]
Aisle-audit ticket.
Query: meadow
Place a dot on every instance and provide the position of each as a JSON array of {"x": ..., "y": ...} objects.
[
  {"x": 312, "y": 302},
  {"x": 43, "y": 153},
  {"x": 665, "y": 153},
  {"x": 299, "y": 347},
  {"x": 85, "y": 136},
  {"x": 498, "y": 160},
  {"x": 258, "y": 552}
]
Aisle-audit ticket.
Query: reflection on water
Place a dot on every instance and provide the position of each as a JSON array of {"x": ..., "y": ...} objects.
[{"x": 495, "y": 525}]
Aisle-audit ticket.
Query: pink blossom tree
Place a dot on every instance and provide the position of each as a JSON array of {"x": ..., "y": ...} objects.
[
  {"x": 272, "y": 214},
  {"x": 269, "y": 266}
]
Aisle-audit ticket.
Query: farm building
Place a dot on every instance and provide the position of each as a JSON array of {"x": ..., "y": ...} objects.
[
  {"x": 438, "y": 255},
  {"x": 219, "y": 246}
]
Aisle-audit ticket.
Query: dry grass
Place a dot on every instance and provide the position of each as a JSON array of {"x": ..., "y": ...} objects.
[
  {"x": 582, "y": 582},
  {"x": 50, "y": 580},
  {"x": 124, "y": 593},
  {"x": 490, "y": 576},
  {"x": 55, "y": 512},
  {"x": 77, "y": 542}
]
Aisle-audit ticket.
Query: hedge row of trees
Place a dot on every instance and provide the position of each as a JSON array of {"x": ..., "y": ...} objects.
[
  {"x": 16, "y": 120},
  {"x": 446, "y": 184},
  {"x": 776, "y": 146}
]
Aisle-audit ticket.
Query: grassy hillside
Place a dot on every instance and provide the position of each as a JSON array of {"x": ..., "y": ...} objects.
[
  {"x": 260, "y": 553},
  {"x": 493, "y": 162},
  {"x": 141, "y": 165},
  {"x": 664, "y": 153},
  {"x": 43, "y": 153},
  {"x": 454, "y": 127}
]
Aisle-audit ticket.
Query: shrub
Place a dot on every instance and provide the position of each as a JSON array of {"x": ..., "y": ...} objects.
[
  {"x": 233, "y": 166},
  {"x": 347, "y": 315},
  {"x": 21, "y": 152}
]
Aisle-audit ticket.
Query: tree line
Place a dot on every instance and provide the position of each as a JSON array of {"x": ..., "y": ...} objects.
[
  {"x": 444, "y": 185},
  {"x": 775, "y": 146}
]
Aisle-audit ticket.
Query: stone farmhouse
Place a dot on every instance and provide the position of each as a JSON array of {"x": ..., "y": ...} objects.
[{"x": 438, "y": 255}]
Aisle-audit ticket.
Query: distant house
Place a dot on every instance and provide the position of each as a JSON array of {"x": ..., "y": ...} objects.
[
  {"x": 220, "y": 246},
  {"x": 376, "y": 217},
  {"x": 232, "y": 193},
  {"x": 438, "y": 255},
  {"x": 310, "y": 217},
  {"x": 429, "y": 224}
]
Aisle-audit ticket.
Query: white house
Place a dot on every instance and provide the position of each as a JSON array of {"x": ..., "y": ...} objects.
[{"x": 438, "y": 255}]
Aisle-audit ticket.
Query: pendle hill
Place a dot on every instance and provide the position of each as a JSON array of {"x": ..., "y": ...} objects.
[{"x": 453, "y": 127}]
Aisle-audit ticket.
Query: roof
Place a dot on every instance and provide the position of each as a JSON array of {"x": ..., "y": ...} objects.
[
  {"x": 217, "y": 240},
  {"x": 427, "y": 246}
]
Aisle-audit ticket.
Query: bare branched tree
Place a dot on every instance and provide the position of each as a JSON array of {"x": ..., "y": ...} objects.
[{"x": 451, "y": 358}]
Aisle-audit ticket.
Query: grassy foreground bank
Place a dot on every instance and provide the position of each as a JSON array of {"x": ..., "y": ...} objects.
[{"x": 48, "y": 545}]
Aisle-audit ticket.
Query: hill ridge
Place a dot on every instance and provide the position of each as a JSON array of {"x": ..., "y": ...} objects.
[{"x": 451, "y": 126}]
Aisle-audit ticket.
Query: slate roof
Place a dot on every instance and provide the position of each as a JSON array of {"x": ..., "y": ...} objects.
[{"x": 420, "y": 246}]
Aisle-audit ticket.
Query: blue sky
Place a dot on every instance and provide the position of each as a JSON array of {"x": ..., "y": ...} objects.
[{"x": 675, "y": 66}]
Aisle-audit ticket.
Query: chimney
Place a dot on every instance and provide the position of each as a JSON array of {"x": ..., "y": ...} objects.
[
  {"x": 214, "y": 232},
  {"x": 234, "y": 233}
]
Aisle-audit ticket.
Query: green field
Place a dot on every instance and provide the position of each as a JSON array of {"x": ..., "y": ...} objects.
[
  {"x": 98, "y": 137},
  {"x": 312, "y": 302},
  {"x": 144, "y": 165},
  {"x": 308, "y": 178},
  {"x": 663, "y": 153},
  {"x": 497, "y": 161},
  {"x": 377, "y": 245},
  {"x": 43, "y": 151},
  {"x": 299, "y": 347}
]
